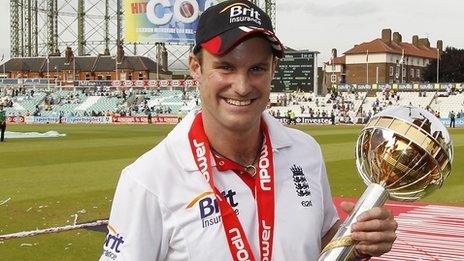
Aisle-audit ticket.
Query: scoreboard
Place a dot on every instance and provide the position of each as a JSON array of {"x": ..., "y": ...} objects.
[{"x": 297, "y": 70}]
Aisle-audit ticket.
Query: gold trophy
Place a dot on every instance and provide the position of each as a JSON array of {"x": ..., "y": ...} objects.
[{"x": 403, "y": 153}]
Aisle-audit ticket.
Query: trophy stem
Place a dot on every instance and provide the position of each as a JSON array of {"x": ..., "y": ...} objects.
[{"x": 341, "y": 246}]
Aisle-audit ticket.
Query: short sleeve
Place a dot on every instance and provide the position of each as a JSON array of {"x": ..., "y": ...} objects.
[
  {"x": 135, "y": 229},
  {"x": 330, "y": 213}
]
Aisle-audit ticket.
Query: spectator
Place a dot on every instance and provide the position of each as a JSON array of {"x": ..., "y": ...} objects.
[
  {"x": 2, "y": 123},
  {"x": 452, "y": 117}
]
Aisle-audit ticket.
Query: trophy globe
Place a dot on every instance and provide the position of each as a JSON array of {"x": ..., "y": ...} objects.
[
  {"x": 407, "y": 150},
  {"x": 404, "y": 154}
]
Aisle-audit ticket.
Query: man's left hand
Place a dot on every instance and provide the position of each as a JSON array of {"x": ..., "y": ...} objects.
[{"x": 375, "y": 230}]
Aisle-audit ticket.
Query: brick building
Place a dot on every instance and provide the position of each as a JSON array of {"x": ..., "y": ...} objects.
[
  {"x": 383, "y": 60},
  {"x": 334, "y": 69},
  {"x": 68, "y": 68}
]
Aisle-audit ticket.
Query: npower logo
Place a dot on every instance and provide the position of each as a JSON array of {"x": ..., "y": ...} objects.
[
  {"x": 264, "y": 177},
  {"x": 241, "y": 12},
  {"x": 207, "y": 205},
  {"x": 200, "y": 152},
  {"x": 242, "y": 253}
]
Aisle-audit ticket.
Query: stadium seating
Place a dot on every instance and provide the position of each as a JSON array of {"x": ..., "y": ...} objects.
[
  {"x": 347, "y": 106},
  {"x": 446, "y": 104}
]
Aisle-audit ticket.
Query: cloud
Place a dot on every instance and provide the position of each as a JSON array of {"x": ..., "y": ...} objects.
[{"x": 326, "y": 9}]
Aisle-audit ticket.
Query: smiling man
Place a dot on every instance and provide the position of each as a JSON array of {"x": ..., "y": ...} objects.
[{"x": 230, "y": 182}]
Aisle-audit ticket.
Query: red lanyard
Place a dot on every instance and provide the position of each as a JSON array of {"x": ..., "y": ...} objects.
[{"x": 264, "y": 182}]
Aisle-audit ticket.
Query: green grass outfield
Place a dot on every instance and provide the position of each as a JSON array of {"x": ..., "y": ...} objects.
[{"x": 51, "y": 179}]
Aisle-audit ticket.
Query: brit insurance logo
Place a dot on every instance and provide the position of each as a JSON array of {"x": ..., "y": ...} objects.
[
  {"x": 301, "y": 186},
  {"x": 113, "y": 242},
  {"x": 208, "y": 207},
  {"x": 241, "y": 12}
]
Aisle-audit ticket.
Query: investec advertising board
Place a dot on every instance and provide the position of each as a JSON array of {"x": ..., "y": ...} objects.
[{"x": 173, "y": 21}]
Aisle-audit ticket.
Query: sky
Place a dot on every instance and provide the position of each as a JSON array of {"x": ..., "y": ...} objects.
[{"x": 317, "y": 25}]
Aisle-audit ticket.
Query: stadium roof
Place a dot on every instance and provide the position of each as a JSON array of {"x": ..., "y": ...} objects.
[
  {"x": 100, "y": 63},
  {"x": 338, "y": 60},
  {"x": 379, "y": 46}
]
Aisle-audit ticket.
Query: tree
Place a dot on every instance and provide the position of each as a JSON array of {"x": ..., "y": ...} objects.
[{"x": 451, "y": 67}]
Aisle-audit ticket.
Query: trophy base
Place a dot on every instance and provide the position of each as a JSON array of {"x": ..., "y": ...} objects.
[{"x": 341, "y": 246}]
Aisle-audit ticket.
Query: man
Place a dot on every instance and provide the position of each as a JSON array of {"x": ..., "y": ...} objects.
[
  {"x": 2, "y": 123},
  {"x": 452, "y": 117},
  {"x": 230, "y": 182}
]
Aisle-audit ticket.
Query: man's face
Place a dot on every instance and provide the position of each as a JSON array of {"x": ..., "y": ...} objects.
[{"x": 235, "y": 88}]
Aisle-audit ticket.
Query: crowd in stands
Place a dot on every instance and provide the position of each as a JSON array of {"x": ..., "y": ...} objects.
[
  {"x": 340, "y": 107},
  {"x": 123, "y": 102}
]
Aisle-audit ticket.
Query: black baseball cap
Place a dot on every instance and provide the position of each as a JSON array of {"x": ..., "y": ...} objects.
[{"x": 225, "y": 25}]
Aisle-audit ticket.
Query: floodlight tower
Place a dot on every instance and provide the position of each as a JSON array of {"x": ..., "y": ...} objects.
[
  {"x": 88, "y": 27},
  {"x": 269, "y": 6},
  {"x": 80, "y": 28},
  {"x": 14, "y": 28},
  {"x": 270, "y": 9}
]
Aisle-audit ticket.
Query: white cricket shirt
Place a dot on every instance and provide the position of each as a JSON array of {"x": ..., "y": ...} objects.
[{"x": 164, "y": 209}]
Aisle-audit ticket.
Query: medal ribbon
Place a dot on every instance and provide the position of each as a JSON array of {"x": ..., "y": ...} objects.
[{"x": 264, "y": 182}]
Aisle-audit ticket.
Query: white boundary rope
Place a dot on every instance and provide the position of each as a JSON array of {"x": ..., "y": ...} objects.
[{"x": 52, "y": 230}]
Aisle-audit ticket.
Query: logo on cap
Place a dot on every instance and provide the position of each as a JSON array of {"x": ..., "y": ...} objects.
[{"x": 240, "y": 12}]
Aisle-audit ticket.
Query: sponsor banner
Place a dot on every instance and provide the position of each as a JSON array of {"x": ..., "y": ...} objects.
[
  {"x": 172, "y": 21},
  {"x": 168, "y": 119},
  {"x": 92, "y": 83},
  {"x": 427, "y": 87},
  {"x": 90, "y": 119},
  {"x": 345, "y": 87},
  {"x": 9, "y": 81},
  {"x": 34, "y": 81},
  {"x": 25, "y": 81},
  {"x": 155, "y": 83},
  {"x": 363, "y": 87},
  {"x": 401, "y": 86},
  {"x": 15, "y": 119},
  {"x": 165, "y": 119},
  {"x": 42, "y": 119},
  {"x": 118, "y": 83},
  {"x": 383, "y": 87},
  {"x": 447, "y": 86},
  {"x": 446, "y": 121},
  {"x": 129, "y": 119},
  {"x": 405, "y": 86},
  {"x": 306, "y": 120}
]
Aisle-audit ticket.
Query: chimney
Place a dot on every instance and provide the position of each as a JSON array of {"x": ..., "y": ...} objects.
[
  {"x": 386, "y": 36},
  {"x": 334, "y": 53},
  {"x": 69, "y": 55},
  {"x": 440, "y": 45},
  {"x": 397, "y": 38},
  {"x": 425, "y": 42},
  {"x": 415, "y": 41}
]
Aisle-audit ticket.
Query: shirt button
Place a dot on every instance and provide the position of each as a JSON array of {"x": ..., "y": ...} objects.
[{"x": 221, "y": 163}]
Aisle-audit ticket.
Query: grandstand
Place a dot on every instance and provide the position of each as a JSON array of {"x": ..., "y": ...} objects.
[
  {"x": 88, "y": 102},
  {"x": 447, "y": 103},
  {"x": 342, "y": 106}
]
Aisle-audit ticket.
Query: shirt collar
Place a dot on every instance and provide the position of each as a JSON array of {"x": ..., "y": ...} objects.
[{"x": 181, "y": 146}]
